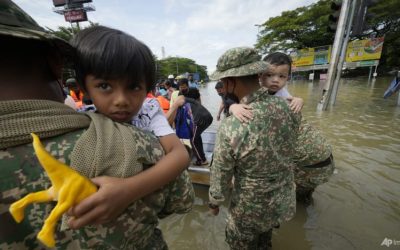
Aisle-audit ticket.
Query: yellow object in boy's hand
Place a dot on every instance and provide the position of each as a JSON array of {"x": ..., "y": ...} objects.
[{"x": 68, "y": 187}]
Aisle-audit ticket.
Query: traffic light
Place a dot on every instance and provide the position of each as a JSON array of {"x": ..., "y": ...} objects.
[
  {"x": 333, "y": 18},
  {"x": 361, "y": 15}
]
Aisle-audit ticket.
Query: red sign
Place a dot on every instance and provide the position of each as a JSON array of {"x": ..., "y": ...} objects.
[{"x": 75, "y": 16}]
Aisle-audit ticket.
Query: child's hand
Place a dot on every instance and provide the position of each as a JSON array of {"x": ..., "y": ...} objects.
[
  {"x": 296, "y": 104},
  {"x": 241, "y": 111},
  {"x": 103, "y": 206}
]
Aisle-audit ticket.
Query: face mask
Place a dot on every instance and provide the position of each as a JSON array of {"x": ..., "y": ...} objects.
[
  {"x": 184, "y": 91},
  {"x": 221, "y": 94},
  {"x": 232, "y": 97}
]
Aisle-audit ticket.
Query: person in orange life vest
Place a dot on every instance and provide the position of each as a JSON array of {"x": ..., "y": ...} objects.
[
  {"x": 74, "y": 91},
  {"x": 164, "y": 102}
]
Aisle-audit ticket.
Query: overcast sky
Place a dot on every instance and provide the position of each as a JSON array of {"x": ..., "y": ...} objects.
[{"x": 201, "y": 30}]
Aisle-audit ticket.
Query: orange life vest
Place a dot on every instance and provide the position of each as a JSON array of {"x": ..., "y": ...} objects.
[{"x": 164, "y": 103}]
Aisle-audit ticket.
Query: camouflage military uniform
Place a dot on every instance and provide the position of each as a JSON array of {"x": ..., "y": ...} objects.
[
  {"x": 314, "y": 161},
  {"x": 136, "y": 228},
  {"x": 258, "y": 156}
]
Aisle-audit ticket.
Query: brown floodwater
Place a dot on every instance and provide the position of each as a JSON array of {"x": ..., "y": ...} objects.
[{"x": 357, "y": 209}]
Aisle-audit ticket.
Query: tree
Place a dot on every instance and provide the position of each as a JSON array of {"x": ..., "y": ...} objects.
[
  {"x": 180, "y": 65},
  {"x": 307, "y": 27},
  {"x": 66, "y": 33},
  {"x": 383, "y": 19},
  {"x": 300, "y": 28}
]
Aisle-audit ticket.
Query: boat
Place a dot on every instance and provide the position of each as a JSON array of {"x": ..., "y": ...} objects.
[
  {"x": 393, "y": 87},
  {"x": 201, "y": 174}
]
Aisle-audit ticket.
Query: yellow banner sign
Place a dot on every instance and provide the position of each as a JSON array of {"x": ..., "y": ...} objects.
[
  {"x": 361, "y": 50},
  {"x": 303, "y": 57}
]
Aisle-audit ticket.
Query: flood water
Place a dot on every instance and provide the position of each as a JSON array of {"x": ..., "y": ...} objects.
[{"x": 357, "y": 209}]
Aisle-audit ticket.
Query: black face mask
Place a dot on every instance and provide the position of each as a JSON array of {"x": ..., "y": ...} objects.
[
  {"x": 232, "y": 97},
  {"x": 184, "y": 91},
  {"x": 221, "y": 94}
]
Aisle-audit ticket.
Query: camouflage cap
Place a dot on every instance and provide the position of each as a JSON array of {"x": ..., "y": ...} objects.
[
  {"x": 240, "y": 61},
  {"x": 17, "y": 23}
]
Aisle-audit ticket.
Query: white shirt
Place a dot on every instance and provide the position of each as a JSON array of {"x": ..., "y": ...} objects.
[
  {"x": 151, "y": 118},
  {"x": 283, "y": 92}
]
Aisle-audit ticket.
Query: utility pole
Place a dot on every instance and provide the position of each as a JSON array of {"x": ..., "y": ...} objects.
[
  {"x": 333, "y": 64},
  {"x": 342, "y": 57}
]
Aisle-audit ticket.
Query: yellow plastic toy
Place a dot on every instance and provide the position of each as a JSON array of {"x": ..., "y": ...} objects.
[{"x": 68, "y": 187}]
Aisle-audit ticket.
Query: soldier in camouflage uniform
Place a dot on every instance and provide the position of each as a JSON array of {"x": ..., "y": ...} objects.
[
  {"x": 313, "y": 154},
  {"x": 257, "y": 154},
  {"x": 31, "y": 100}
]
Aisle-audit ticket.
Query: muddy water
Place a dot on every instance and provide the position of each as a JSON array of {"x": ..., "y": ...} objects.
[{"x": 358, "y": 208}]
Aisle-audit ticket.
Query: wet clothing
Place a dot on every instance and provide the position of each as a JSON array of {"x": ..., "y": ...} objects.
[
  {"x": 258, "y": 155},
  {"x": 313, "y": 158},
  {"x": 65, "y": 135}
]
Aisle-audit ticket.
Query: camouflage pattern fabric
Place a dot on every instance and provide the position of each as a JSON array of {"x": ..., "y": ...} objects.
[
  {"x": 240, "y": 61},
  {"x": 17, "y": 23},
  {"x": 312, "y": 148},
  {"x": 136, "y": 228},
  {"x": 258, "y": 155}
]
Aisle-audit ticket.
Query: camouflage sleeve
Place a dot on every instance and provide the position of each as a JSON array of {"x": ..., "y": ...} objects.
[
  {"x": 151, "y": 151},
  {"x": 222, "y": 166},
  {"x": 180, "y": 196}
]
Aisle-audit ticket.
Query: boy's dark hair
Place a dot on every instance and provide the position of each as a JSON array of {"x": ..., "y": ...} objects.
[
  {"x": 111, "y": 54},
  {"x": 279, "y": 58},
  {"x": 183, "y": 81}
]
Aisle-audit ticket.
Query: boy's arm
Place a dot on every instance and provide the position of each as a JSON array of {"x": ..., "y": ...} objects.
[
  {"x": 241, "y": 111},
  {"x": 115, "y": 194},
  {"x": 296, "y": 103}
]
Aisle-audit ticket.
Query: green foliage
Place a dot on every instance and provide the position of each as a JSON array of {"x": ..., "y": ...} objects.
[
  {"x": 179, "y": 65},
  {"x": 307, "y": 27},
  {"x": 295, "y": 29},
  {"x": 66, "y": 33},
  {"x": 383, "y": 19}
]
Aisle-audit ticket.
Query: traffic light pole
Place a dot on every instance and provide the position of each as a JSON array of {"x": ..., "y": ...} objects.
[
  {"x": 342, "y": 58},
  {"x": 337, "y": 45}
]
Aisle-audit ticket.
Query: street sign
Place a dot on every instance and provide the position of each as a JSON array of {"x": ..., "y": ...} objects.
[{"x": 75, "y": 16}]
